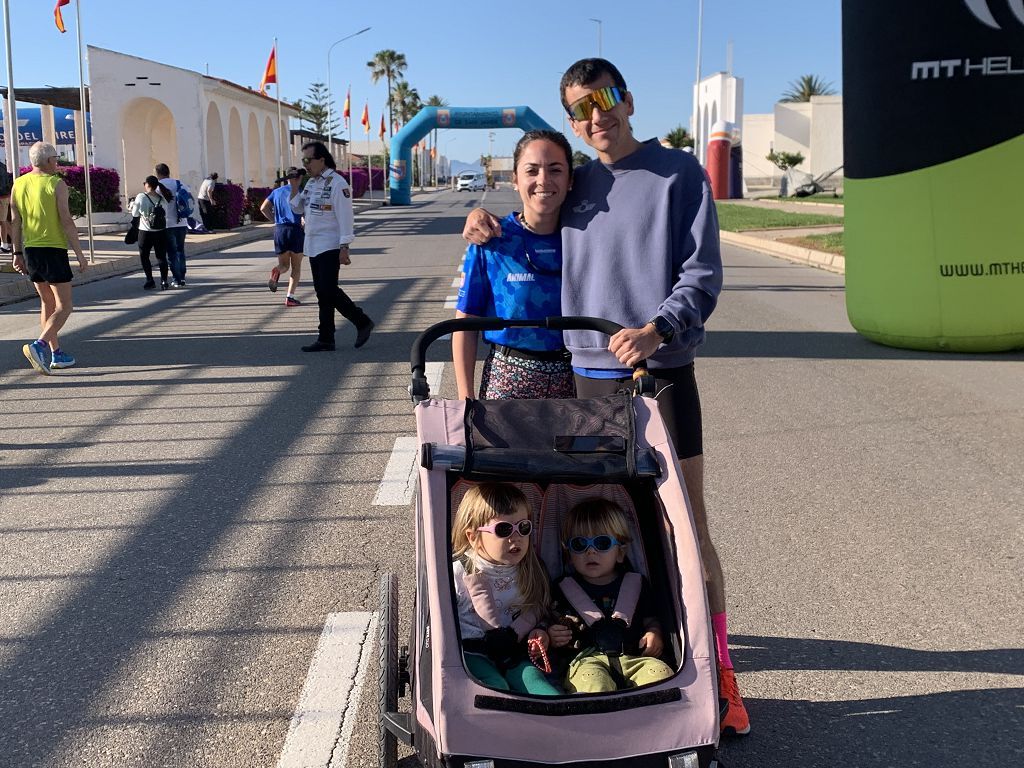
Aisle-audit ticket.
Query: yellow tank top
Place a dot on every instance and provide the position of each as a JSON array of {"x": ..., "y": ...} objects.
[{"x": 34, "y": 196}]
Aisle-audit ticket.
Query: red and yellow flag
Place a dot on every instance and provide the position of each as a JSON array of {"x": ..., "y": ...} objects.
[
  {"x": 347, "y": 111},
  {"x": 57, "y": 18},
  {"x": 383, "y": 129},
  {"x": 270, "y": 73},
  {"x": 365, "y": 119}
]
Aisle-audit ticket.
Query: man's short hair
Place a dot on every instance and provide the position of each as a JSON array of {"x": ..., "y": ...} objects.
[
  {"x": 40, "y": 152},
  {"x": 214, "y": 176},
  {"x": 162, "y": 169},
  {"x": 320, "y": 152},
  {"x": 586, "y": 71}
]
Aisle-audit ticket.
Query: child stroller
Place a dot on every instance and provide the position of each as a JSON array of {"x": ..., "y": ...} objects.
[{"x": 558, "y": 452}]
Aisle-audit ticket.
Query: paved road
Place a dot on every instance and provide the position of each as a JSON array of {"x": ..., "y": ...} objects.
[{"x": 182, "y": 513}]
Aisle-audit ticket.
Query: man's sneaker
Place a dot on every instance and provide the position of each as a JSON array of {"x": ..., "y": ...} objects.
[
  {"x": 736, "y": 722},
  {"x": 275, "y": 275},
  {"x": 5, "y": 248},
  {"x": 149, "y": 285},
  {"x": 363, "y": 334},
  {"x": 318, "y": 346},
  {"x": 292, "y": 302},
  {"x": 38, "y": 355},
  {"x": 181, "y": 283},
  {"x": 176, "y": 284},
  {"x": 163, "y": 285},
  {"x": 62, "y": 360}
]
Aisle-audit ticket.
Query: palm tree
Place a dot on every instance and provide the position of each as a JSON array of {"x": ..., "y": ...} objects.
[
  {"x": 388, "y": 64},
  {"x": 679, "y": 137},
  {"x": 406, "y": 101},
  {"x": 434, "y": 101},
  {"x": 806, "y": 86}
]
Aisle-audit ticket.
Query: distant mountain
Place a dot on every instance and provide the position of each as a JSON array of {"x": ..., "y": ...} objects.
[{"x": 458, "y": 167}]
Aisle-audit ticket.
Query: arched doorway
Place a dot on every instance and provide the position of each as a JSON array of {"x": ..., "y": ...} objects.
[
  {"x": 254, "y": 157},
  {"x": 236, "y": 148},
  {"x": 429, "y": 118},
  {"x": 148, "y": 131},
  {"x": 215, "y": 160}
]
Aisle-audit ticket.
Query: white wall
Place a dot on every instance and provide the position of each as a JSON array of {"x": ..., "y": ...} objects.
[
  {"x": 162, "y": 114},
  {"x": 758, "y": 140},
  {"x": 721, "y": 98}
]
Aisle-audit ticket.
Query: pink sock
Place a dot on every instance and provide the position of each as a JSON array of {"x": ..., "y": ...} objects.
[{"x": 721, "y": 640}]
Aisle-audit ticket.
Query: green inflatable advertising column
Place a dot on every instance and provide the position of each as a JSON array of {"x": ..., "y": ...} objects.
[{"x": 933, "y": 125}]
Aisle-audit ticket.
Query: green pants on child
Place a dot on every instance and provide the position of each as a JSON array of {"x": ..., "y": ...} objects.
[{"x": 592, "y": 672}]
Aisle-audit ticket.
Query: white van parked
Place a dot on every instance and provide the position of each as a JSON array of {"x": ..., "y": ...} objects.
[{"x": 472, "y": 181}]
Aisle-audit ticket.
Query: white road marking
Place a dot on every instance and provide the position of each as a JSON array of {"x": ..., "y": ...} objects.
[
  {"x": 340, "y": 757},
  {"x": 449, "y": 302},
  {"x": 399, "y": 482},
  {"x": 330, "y": 696},
  {"x": 457, "y": 282}
]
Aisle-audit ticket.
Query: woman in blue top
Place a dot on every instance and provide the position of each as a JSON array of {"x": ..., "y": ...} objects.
[
  {"x": 518, "y": 276},
  {"x": 288, "y": 235}
]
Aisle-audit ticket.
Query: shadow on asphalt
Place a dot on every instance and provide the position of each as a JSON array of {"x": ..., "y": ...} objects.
[
  {"x": 824, "y": 346},
  {"x": 966, "y": 727}
]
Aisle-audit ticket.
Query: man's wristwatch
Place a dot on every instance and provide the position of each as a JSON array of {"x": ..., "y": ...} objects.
[{"x": 663, "y": 328}]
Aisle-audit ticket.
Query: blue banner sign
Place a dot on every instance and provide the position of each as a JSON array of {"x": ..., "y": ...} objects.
[{"x": 30, "y": 127}]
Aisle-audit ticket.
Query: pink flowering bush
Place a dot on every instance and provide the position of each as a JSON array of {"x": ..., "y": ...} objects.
[
  {"x": 254, "y": 197},
  {"x": 105, "y": 184},
  {"x": 230, "y": 201}
]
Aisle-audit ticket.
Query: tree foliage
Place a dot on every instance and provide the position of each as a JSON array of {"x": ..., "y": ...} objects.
[
  {"x": 785, "y": 160},
  {"x": 679, "y": 138},
  {"x": 313, "y": 110},
  {"x": 806, "y": 86},
  {"x": 406, "y": 101},
  {"x": 580, "y": 158},
  {"x": 390, "y": 65}
]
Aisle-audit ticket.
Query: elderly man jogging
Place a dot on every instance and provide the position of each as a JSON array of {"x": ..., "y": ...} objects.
[
  {"x": 43, "y": 229},
  {"x": 326, "y": 204}
]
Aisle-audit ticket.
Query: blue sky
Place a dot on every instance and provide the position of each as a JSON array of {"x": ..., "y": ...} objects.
[{"x": 470, "y": 53}]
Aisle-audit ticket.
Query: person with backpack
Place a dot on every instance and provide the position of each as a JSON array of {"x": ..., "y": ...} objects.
[
  {"x": 180, "y": 209},
  {"x": 152, "y": 206}
]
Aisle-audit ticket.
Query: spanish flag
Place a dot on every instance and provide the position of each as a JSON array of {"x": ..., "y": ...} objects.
[
  {"x": 270, "y": 73},
  {"x": 57, "y": 18},
  {"x": 347, "y": 112},
  {"x": 365, "y": 119},
  {"x": 383, "y": 130}
]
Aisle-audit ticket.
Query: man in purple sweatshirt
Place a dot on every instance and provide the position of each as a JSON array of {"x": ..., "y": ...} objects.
[{"x": 640, "y": 247}]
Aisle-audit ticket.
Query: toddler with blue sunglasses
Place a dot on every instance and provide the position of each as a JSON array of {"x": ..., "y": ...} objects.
[{"x": 614, "y": 630}]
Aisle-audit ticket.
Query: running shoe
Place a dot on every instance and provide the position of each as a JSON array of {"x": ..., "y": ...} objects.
[
  {"x": 149, "y": 285},
  {"x": 319, "y": 346},
  {"x": 163, "y": 285},
  {"x": 176, "y": 284},
  {"x": 292, "y": 302},
  {"x": 38, "y": 353},
  {"x": 275, "y": 275},
  {"x": 736, "y": 721},
  {"x": 62, "y": 360}
]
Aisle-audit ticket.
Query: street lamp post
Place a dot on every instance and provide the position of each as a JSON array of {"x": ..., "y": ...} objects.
[
  {"x": 598, "y": 22},
  {"x": 330, "y": 97}
]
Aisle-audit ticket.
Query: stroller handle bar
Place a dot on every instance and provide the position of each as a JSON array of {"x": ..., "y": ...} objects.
[{"x": 420, "y": 390}]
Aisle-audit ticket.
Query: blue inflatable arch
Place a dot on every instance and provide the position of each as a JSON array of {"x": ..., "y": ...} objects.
[{"x": 429, "y": 118}]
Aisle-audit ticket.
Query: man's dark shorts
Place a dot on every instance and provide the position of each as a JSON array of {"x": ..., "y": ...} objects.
[
  {"x": 288, "y": 237},
  {"x": 678, "y": 401},
  {"x": 48, "y": 265}
]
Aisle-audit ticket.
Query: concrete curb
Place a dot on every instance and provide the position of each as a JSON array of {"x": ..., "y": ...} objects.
[
  {"x": 129, "y": 262},
  {"x": 831, "y": 262}
]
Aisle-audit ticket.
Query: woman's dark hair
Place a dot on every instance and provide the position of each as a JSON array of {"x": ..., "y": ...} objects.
[
  {"x": 586, "y": 71},
  {"x": 555, "y": 137},
  {"x": 154, "y": 182},
  {"x": 320, "y": 152}
]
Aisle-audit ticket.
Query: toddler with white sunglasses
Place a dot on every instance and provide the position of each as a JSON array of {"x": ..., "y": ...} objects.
[
  {"x": 613, "y": 616},
  {"x": 501, "y": 589}
]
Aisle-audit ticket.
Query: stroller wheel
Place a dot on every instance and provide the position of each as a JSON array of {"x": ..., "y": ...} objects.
[{"x": 387, "y": 666}]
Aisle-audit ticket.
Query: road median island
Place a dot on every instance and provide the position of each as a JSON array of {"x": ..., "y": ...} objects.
[{"x": 786, "y": 235}]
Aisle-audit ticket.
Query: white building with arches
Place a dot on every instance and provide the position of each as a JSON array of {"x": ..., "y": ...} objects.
[{"x": 144, "y": 113}]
